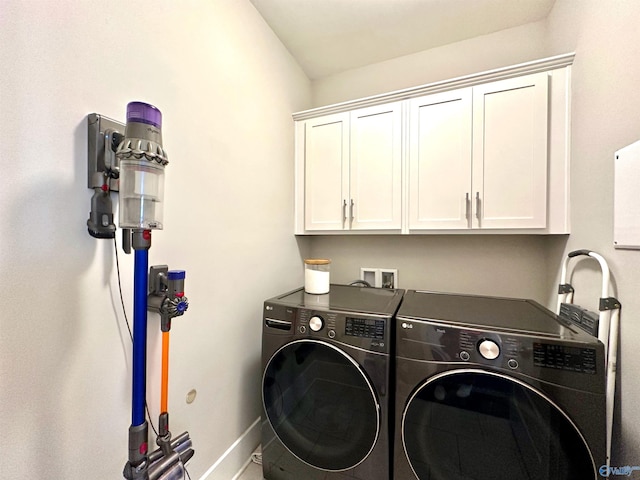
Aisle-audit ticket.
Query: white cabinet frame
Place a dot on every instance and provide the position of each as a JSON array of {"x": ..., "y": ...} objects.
[{"x": 556, "y": 210}]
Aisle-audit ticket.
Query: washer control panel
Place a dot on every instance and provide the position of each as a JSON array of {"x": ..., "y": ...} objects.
[
  {"x": 492, "y": 348},
  {"x": 551, "y": 359},
  {"x": 562, "y": 357}
]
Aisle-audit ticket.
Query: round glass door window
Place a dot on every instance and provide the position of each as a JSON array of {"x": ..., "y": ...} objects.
[
  {"x": 474, "y": 425},
  {"x": 321, "y": 405}
]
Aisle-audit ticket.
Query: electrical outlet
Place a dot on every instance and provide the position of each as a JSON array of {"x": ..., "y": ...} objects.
[{"x": 380, "y": 277}]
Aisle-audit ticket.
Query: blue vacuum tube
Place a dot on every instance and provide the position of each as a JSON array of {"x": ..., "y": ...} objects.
[{"x": 142, "y": 162}]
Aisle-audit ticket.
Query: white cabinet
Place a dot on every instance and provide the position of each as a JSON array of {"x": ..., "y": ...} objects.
[
  {"x": 352, "y": 170},
  {"x": 486, "y": 153},
  {"x": 326, "y": 172},
  {"x": 375, "y": 200},
  {"x": 440, "y": 161},
  {"x": 478, "y": 156},
  {"x": 510, "y": 125}
]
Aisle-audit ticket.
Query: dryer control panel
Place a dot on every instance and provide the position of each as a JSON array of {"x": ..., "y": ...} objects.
[
  {"x": 367, "y": 331},
  {"x": 365, "y": 327}
]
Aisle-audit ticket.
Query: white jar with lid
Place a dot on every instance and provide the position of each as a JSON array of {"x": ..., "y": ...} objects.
[{"x": 316, "y": 275}]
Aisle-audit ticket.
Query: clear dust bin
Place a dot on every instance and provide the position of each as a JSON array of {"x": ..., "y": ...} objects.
[
  {"x": 316, "y": 275},
  {"x": 141, "y": 194}
]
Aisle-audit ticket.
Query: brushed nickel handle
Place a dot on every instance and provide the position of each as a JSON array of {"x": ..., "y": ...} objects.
[
  {"x": 467, "y": 206},
  {"x": 344, "y": 212},
  {"x": 478, "y": 205},
  {"x": 351, "y": 210}
]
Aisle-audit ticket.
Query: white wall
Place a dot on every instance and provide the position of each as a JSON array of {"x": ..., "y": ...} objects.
[
  {"x": 500, "y": 49},
  {"x": 506, "y": 265},
  {"x": 226, "y": 87},
  {"x": 605, "y": 105}
]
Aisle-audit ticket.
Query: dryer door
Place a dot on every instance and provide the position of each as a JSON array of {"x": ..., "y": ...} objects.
[
  {"x": 321, "y": 405},
  {"x": 477, "y": 425}
]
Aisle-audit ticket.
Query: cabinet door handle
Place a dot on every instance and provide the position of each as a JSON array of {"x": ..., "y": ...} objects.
[
  {"x": 478, "y": 205},
  {"x": 344, "y": 213},
  {"x": 467, "y": 206},
  {"x": 351, "y": 211}
]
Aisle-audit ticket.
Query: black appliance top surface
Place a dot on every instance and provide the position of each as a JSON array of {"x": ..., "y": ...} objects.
[
  {"x": 502, "y": 314},
  {"x": 381, "y": 301}
]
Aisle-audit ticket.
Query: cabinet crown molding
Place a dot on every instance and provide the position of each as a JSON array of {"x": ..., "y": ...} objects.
[{"x": 535, "y": 66}]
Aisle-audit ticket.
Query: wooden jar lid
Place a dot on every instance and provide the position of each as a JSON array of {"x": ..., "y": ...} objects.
[{"x": 317, "y": 261}]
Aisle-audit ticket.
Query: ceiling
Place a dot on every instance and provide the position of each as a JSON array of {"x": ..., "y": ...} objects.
[{"x": 331, "y": 36}]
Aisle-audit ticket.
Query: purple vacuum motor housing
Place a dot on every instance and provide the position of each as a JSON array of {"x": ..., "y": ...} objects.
[{"x": 144, "y": 113}]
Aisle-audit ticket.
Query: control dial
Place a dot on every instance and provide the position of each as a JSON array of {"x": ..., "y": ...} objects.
[
  {"x": 316, "y": 323},
  {"x": 489, "y": 349}
]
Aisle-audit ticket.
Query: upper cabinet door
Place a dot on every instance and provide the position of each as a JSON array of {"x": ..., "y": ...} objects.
[
  {"x": 510, "y": 122},
  {"x": 326, "y": 164},
  {"x": 375, "y": 201},
  {"x": 440, "y": 161}
]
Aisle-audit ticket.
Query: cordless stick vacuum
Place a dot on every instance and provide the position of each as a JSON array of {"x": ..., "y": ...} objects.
[
  {"x": 141, "y": 163},
  {"x": 166, "y": 297}
]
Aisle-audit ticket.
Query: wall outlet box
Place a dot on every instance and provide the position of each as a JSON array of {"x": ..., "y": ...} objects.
[
  {"x": 389, "y": 277},
  {"x": 369, "y": 275},
  {"x": 380, "y": 277}
]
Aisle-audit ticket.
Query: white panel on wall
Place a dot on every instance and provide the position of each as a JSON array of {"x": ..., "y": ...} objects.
[{"x": 626, "y": 201}]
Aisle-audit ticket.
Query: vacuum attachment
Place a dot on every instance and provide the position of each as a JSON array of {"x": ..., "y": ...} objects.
[
  {"x": 162, "y": 466},
  {"x": 171, "y": 466},
  {"x": 100, "y": 223}
]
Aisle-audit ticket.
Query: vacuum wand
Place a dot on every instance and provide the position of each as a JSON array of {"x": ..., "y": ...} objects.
[
  {"x": 166, "y": 297},
  {"x": 138, "y": 431}
]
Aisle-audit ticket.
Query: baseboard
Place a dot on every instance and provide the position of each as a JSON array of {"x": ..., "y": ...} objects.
[{"x": 237, "y": 455}]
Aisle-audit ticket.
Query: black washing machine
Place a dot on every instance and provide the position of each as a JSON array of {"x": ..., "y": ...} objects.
[
  {"x": 325, "y": 388},
  {"x": 495, "y": 388}
]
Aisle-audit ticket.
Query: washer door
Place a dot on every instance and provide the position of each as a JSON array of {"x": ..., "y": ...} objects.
[
  {"x": 321, "y": 405},
  {"x": 476, "y": 425}
]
